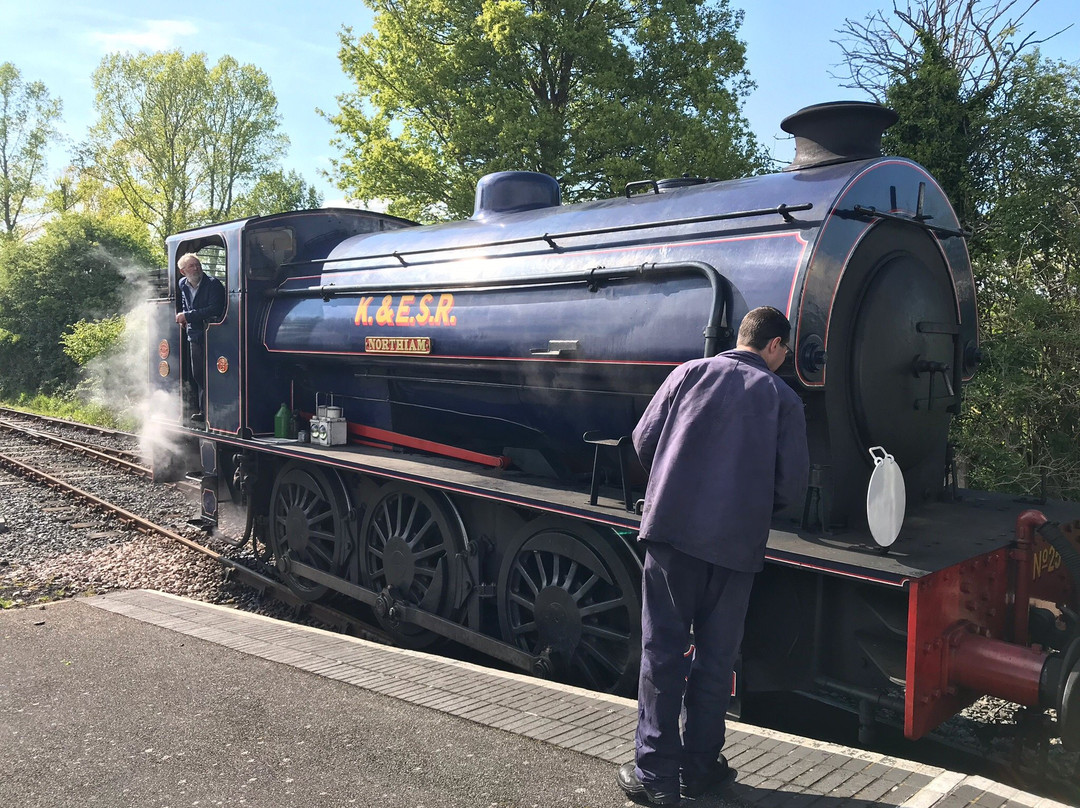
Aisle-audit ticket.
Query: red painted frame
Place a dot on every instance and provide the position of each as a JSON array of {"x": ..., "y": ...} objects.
[{"x": 970, "y": 596}]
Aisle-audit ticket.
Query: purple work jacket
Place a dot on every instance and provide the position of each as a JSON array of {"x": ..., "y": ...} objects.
[{"x": 724, "y": 440}]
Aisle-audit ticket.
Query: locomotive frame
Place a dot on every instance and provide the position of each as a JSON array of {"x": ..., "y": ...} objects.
[{"x": 454, "y": 516}]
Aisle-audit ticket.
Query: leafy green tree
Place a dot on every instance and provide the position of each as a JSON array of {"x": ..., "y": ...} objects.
[
  {"x": 1021, "y": 430},
  {"x": 81, "y": 268},
  {"x": 28, "y": 118},
  {"x": 594, "y": 92},
  {"x": 278, "y": 192},
  {"x": 84, "y": 341},
  {"x": 240, "y": 136},
  {"x": 177, "y": 139},
  {"x": 1033, "y": 172},
  {"x": 932, "y": 99}
]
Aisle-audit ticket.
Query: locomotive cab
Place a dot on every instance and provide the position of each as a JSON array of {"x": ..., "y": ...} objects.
[{"x": 250, "y": 257}]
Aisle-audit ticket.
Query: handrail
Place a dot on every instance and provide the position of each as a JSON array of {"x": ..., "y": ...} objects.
[{"x": 783, "y": 210}]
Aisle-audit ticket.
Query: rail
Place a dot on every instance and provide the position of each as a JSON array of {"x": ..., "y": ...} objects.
[
  {"x": 782, "y": 210},
  {"x": 248, "y": 576},
  {"x": 118, "y": 458},
  {"x": 48, "y": 419}
]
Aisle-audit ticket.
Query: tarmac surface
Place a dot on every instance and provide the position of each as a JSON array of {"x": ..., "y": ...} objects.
[{"x": 143, "y": 699}]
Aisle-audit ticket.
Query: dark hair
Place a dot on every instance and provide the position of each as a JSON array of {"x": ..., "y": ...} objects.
[{"x": 761, "y": 325}]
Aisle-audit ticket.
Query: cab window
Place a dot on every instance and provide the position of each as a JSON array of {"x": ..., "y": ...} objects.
[
  {"x": 211, "y": 254},
  {"x": 213, "y": 262}
]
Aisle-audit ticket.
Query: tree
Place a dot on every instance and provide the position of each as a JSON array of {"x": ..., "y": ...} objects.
[
  {"x": 594, "y": 92},
  {"x": 85, "y": 341},
  {"x": 1000, "y": 128},
  {"x": 239, "y": 133},
  {"x": 1021, "y": 431},
  {"x": 178, "y": 140},
  {"x": 81, "y": 268},
  {"x": 27, "y": 123},
  {"x": 932, "y": 99},
  {"x": 978, "y": 38},
  {"x": 939, "y": 64},
  {"x": 278, "y": 192}
]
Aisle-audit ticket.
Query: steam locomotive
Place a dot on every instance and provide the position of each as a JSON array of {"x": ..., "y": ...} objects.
[{"x": 434, "y": 421}]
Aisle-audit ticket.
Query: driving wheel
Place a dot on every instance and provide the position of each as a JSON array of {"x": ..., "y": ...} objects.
[
  {"x": 412, "y": 543},
  {"x": 308, "y": 524},
  {"x": 564, "y": 590}
]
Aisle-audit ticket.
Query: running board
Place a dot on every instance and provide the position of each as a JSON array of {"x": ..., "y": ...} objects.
[{"x": 388, "y": 607}]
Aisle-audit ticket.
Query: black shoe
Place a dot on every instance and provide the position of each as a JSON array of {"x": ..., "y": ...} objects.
[
  {"x": 637, "y": 790},
  {"x": 717, "y": 775}
]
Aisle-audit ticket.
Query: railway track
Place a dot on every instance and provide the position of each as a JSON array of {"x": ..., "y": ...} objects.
[
  {"x": 1001, "y": 748},
  {"x": 237, "y": 570},
  {"x": 121, "y": 458},
  {"x": 63, "y": 423}
]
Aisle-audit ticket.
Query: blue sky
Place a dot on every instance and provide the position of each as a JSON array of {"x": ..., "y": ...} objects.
[{"x": 60, "y": 42}]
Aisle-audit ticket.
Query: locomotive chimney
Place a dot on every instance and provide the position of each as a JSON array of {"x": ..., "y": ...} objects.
[{"x": 837, "y": 132}]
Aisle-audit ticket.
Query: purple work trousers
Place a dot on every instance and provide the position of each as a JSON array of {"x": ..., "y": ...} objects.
[{"x": 680, "y": 592}]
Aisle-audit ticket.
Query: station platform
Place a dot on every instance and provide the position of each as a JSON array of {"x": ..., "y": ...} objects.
[{"x": 145, "y": 699}]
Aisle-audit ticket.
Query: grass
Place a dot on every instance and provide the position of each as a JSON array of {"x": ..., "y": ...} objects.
[{"x": 70, "y": 407}]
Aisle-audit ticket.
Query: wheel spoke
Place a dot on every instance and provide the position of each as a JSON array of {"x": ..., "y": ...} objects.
[
  {"x": 570, "y": 573},
  {"x": 524, "y": 628},
  {"x": 604, "y": 606},
  {"x": 306, "y": 498},
  {"x": 527, "y": 578},
  {"x": 438, "y": 549},
  {"x": 605, "y": 633},
  {"x": 585, "y": 587},
  {"x": 316, "y": 550},
  {"x": 523, "y": 602},
  {"x": 583, "y": 667},
  {"x": 595, "y": 653},
  {"x": 540, "y": 566},
  {"x": 405, "y": 531},
  {"x": 316, "y": 518},
  {"x": 415, "y": 538},
  {"x": 379, "y": 532}
]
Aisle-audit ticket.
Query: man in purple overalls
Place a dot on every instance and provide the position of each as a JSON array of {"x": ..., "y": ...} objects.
[{"x": 724, "y": 440}]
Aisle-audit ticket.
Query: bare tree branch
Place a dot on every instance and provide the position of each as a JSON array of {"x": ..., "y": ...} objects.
[{"x": 980, "y": 39}]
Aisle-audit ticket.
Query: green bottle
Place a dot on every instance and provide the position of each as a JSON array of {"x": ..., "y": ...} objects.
[{"x": 281, "y": 422}]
